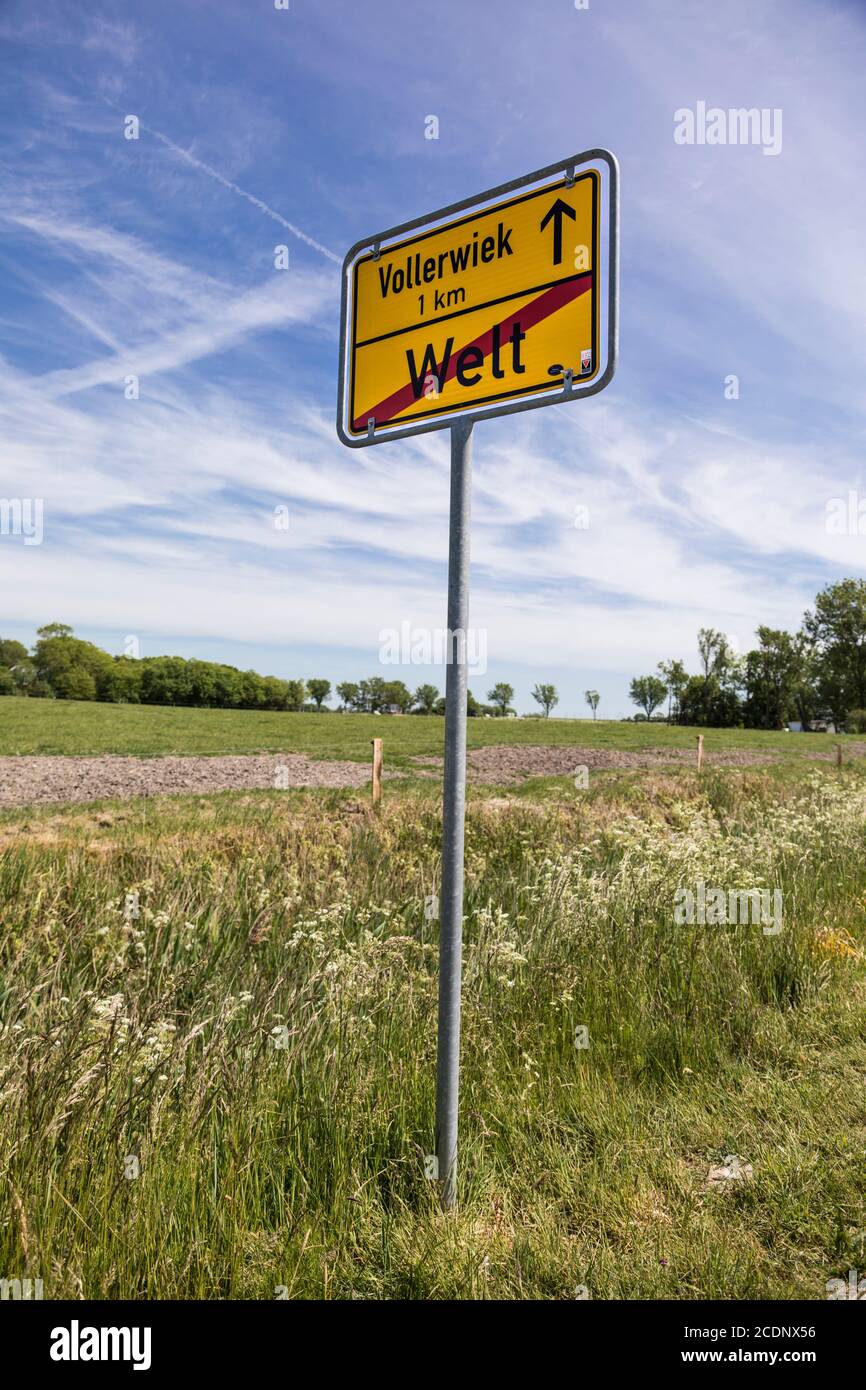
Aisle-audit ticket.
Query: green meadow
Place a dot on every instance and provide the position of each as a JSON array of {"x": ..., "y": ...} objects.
[
  {"x": 219, "y": 1027},
  {"x": 29, "y": 726}
]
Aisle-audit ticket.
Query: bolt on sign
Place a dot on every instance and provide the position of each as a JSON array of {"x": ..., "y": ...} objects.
[{"x": 502, "y": 302}]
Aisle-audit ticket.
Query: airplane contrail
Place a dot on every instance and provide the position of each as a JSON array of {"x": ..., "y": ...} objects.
[
  {"x": 235, "y": 188},
  {"x": 256, "y": 202}
]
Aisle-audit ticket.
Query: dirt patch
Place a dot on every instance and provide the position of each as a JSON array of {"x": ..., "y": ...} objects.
[
  {"x": 44, "y": 780},
  {"x": 514, "y": 764},
  {"x": 39, "y": 780},
  {"x": 504, "y": 766}
]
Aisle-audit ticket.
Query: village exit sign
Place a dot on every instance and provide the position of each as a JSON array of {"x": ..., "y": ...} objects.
[{"x": 502, "y": 302}]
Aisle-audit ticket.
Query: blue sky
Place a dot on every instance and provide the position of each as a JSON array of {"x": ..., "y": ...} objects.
[{"x": 145, "y": 257}]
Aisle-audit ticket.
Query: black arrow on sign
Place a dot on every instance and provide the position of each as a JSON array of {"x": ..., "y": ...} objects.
[{"x": 557, "y": 212}]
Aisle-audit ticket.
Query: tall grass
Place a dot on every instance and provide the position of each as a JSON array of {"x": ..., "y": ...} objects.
[{"x": 235, "y": 999}]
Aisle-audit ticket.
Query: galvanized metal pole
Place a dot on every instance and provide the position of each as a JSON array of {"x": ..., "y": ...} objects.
[{"x": 453, "y": 815}]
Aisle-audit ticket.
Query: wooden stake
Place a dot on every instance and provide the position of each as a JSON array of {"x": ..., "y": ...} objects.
[
  {"x": 377, "y": 769},
  {"x": 700, "y": 752},
  {"x": 838, "y": 755}
]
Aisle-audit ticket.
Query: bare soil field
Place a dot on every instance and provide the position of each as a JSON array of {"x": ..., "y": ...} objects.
[
  {"x": 504, "y": 766},
  {"x": 25, "y": 781},
  {"x": 41, "y": 780}
]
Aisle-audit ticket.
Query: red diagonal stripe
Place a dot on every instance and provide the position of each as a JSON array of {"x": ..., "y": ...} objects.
[{"x": 531, "y": 314}]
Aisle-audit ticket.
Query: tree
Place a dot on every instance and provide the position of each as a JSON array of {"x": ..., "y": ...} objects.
[
  {"x": 837, "y": 632},
  {"x": 228, "y": 688},
  {"x": 319, "y": 691},
  {"x": 592, "y": 698},
  {"x": 676, "y": 678},
  {"x": 775, "y": 672},
  {"x": 295, "y": 694},
  {"x": 426, "y": 697},
  {"x": 252, "y": 689},
  {"x": 711, "y": 645},
  {"x": 201, "y": 684},
  {"x": 349, "y": 692},
  {"x": 547, "y": 697},
  {"x": 648, "y": 692},
  {"x": 396, "y": 694},
  {"x": 711, "y": 702},
  {"x": 501, "y": 695},
  {"x": 11, "y": 652},
  {"x": 372, "y": 694},
  {"x": 165, "y": 680},
  {"x": 16, "y": 669},
  {"x": 121, "y": 682},
  {"x": 24, "y": 678},
  {"x": 274, "y": 692},
  {"x": 712, "y": 698},
  {"x": 75, "y": 683},
  {"x": 71, "y": 668}
]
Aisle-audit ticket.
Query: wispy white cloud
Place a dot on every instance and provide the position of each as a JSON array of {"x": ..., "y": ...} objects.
[
  {"x": 117, "y": 38},
  {"x": 186, "y": 315}
]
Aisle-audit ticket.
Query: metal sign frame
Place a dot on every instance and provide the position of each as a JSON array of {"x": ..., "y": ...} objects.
[{"x": 571, "y": 389}]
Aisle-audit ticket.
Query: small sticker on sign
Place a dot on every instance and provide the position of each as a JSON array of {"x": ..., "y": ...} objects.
[{"x": 585, "y": 360}]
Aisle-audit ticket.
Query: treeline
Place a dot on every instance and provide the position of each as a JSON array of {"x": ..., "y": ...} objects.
[
  {"x": 813, "y": 675},
  {"x": 377, "y": 696},
  {"x": 62, "y": 666}
]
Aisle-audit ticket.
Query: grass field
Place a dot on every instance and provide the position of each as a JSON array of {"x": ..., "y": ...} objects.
[
  {"x": 79, "y": 727},
  {"x": 235, "y": 998}
]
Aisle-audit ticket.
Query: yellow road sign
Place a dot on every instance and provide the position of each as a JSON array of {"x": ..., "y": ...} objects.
[{"x": 504, "y": 302}]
